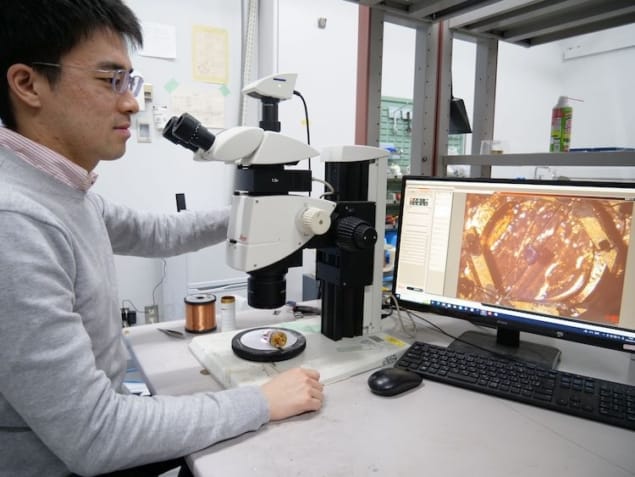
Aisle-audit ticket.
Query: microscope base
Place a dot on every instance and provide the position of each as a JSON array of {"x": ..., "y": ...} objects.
[{"x": 335, "y": 360}]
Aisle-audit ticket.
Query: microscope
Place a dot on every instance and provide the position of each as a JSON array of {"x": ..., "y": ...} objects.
[{"x": 273, "y": 219}]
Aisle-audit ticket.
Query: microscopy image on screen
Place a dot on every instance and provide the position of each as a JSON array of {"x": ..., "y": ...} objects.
[{"x": 561, "y": 256}]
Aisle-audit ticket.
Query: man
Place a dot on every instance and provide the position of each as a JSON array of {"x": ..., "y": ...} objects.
[{"x": 66, "y": 101}]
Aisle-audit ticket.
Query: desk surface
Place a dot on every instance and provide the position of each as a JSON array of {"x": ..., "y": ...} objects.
[{"x": 433, "y": 430}]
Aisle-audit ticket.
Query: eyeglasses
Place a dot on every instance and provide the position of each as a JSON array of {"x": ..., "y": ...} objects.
[{"x": 120, "y": 80}]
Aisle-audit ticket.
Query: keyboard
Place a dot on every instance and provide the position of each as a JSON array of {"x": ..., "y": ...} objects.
[{"x": 591, "y": 398}]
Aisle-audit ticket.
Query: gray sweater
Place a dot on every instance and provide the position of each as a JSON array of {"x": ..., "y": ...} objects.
[{"x": 62, "y": 360}]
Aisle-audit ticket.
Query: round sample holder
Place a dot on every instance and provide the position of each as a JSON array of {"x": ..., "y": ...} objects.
[{"x": 254, "y": 345}]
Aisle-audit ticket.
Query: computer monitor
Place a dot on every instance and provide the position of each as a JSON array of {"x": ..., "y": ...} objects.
[{"x": 544, "y": 257}]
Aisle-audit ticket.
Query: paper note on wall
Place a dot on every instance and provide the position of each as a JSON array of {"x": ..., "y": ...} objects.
[
  {"x": 209, "y": 54},
  {"x": 158, "y": 40},
  {"x": 206, "y": 106}
]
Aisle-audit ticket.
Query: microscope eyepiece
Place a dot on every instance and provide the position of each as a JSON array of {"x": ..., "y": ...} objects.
[
  {"x": 190, "y": 129},
  {"x": 169, "y": 135},
  {"x": 188, "y": 132}
]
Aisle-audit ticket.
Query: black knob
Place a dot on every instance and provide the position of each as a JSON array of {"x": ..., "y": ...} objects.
[{"x": 355, "y": 234}]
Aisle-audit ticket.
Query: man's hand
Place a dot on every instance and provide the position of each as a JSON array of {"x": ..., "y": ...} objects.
[{"x": 293, "y": 392}]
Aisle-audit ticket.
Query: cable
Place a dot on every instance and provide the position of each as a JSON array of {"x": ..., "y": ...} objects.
[
  {"x": 134, "y": 307},
  {"x": 154, "y": 302},
  {"x": 165, "y": 264},
  {"x": 437, "y": 328},
  {"x": 327, "y": 185},
  {"x": 306, "y": 117},
  {"x": 410, "y": 333},
  {"x": 434, "y": 326}
]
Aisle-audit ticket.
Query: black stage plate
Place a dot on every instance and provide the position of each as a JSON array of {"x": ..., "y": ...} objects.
[{"x": 253, "y": 345}]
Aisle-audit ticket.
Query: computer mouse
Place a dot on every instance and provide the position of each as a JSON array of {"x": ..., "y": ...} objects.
[{"x": 392, "y": 381}]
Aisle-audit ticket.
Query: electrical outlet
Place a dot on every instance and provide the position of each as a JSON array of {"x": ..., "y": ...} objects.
[{"x": 152, "y": 314}]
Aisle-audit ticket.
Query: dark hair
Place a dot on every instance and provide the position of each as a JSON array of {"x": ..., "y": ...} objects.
[{"x": 45, "y": 30}]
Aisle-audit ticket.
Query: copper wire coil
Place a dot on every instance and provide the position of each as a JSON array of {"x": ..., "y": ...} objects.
[{"x": 200, "y": 313}]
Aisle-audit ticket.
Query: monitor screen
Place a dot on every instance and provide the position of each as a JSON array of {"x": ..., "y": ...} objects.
[{"x": 545, "y": 257}]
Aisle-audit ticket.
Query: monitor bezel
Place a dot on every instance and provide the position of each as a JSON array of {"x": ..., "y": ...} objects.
[{"x": 562, "y": 333}]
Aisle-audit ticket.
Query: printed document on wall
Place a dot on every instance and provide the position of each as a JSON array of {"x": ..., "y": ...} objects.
[
  {"x": 206, "y": 106},
  {"x": 209, "y": 54}
]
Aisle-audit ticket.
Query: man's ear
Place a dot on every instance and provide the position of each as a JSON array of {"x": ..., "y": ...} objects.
[{"x": 25, "y": 84}]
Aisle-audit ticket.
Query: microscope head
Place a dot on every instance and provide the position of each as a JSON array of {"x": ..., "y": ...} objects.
[
  {"x": 278, "y": 86},
  {"x": 270, "y": 90}
]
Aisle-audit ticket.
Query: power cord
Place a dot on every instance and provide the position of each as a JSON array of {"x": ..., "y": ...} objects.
[
  {"x": 132, "y": 305},
  {"x": 306, "y": 117},
  {"x": 440, "y": 330},
  {"x": 165, "y": 264},
  {"x": 124, "y": 309},
  {"x": 331, "y": 189},
  {"x": 412, "y": 331}
]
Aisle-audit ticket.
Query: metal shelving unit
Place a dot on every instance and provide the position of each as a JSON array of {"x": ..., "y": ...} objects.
[
  {"x": 486, "y": 22},
  {"x": 524, "y": 22},
  {"x": 561, "y": 159}
]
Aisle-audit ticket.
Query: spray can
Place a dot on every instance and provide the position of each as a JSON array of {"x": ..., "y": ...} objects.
[{"x": 561, "y": 117}]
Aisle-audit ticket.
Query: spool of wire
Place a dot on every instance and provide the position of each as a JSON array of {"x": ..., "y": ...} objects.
[{"x": 200, "y": 313}]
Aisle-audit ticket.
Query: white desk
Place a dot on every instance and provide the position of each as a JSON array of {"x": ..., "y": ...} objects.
[{"x": 434, "y": 430}]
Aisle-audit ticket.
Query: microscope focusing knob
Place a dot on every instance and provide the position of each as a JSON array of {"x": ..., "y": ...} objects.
[
  {"x": 315, "y": 221},
  {"x": 355, "y": 234}
]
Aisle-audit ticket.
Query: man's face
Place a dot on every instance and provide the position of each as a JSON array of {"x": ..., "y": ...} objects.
[{"x": 82, "y": 117}]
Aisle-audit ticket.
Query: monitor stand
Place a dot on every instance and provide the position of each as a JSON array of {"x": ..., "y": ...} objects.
[{"x": 507, "y": 342}]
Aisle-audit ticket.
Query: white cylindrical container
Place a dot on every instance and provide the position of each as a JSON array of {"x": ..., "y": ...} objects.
[{"x": 227, "y": 313}]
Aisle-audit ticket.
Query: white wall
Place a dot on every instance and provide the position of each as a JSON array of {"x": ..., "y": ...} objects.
[
  {"x": 527, "y": 87},
  {"x": 326, "y": 63},
  {"x": 325, "y": 60},
  {"x": 605, "y": 81},
  {"x": 530, "y": 81},
  {"x": 397, "y": 70}
]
